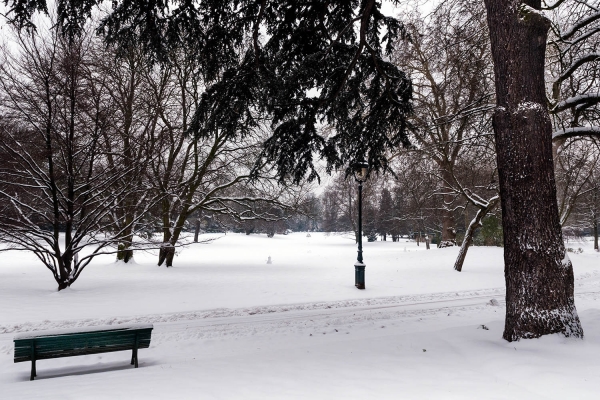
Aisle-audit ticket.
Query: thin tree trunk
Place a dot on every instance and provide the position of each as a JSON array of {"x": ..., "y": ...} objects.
[
  {"x": 125, "y": 252},
  {"x": 595, "y": 217},
  {"x": 596, "y": 235},
  {"x": 448, "y": 229},
  {"x": 467, "y": 241},
  {"x": 538, "y": 272},
  {"x": 197, "y": 230}
]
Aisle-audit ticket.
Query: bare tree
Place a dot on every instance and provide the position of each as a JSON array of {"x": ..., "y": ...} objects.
[
  {"x": 215, "y": 173},
  {"x": 339, "y": 206},
  {"x": 576, "y": 160},
  {"x": 578, "y": 181},
  {"x": 447, "y": 56},
  {"x": 572, "y": 65},
  {"x": 53, "y": 171},
  {"x": 385, "y": 214},
  {"x": 126, "y": 143},
  {"x": 416, "y": 204}
]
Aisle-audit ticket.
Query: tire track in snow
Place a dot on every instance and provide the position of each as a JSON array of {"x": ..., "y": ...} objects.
[
  {"x": 270, "y": 317},
  {"x": 327, "y": 321},
  {"x": 314, "y": 321},
  {"x": 358, "y": 304}
]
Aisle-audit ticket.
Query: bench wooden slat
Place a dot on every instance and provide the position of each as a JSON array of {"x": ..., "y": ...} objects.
[
  {"x": 24, "y": 354},
  {"x": 77, "y": 352},
  {"x": 42, "y": 344}
]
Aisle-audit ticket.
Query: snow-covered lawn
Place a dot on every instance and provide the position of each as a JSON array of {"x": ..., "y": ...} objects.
[{"x": 227, "y": 325}]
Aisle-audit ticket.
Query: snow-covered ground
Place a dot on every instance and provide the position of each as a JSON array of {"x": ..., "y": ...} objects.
[{"x": 227, "y": 325}]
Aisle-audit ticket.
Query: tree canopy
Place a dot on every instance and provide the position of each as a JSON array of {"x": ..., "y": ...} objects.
[{"x": 317, "y": 70}]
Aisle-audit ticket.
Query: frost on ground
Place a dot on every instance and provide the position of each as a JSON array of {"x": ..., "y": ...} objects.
[{"x": 230, "y": 326}]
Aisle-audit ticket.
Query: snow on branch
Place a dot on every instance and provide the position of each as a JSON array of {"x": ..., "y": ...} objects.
[
  {"x": 582, "y": 99},
  {"x": 580, "y": 25},
  {"x": 576, "y": 132},
  {"x": 553, "y": 6},
  {"x": 576, "y": 64}
]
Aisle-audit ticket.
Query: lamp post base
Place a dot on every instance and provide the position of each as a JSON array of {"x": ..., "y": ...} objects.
[{"x": 359, "y": 275}]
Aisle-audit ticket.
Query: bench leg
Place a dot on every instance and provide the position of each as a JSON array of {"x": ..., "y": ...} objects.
[
  {"x": 33, "y": 370},
  {"x": 134, "y": 357},
  {"x": 134, "y": 354}
]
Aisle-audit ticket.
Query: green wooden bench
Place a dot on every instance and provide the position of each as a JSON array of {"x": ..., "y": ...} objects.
[{"x": 41, "y": 345}]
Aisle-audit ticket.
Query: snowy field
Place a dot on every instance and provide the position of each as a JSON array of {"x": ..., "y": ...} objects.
[{"x": 227, "y": 325}]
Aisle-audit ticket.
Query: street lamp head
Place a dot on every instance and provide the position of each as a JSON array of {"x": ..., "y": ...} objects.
[{"x": 361, "y": 168}]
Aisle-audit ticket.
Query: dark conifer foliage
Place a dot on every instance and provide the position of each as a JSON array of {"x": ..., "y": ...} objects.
[{"x": 303, "y": 65}]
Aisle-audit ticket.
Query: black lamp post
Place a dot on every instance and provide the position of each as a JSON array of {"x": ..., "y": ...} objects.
[{"x": 360, "y": 174}]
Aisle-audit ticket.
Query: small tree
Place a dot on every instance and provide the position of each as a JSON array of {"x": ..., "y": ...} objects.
[
  {"x": 385, "y": 214},
  {"x": 53, "y": 172}
]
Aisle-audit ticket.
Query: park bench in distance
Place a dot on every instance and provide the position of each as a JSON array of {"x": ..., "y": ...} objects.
[{"x": 41, "y": 345}]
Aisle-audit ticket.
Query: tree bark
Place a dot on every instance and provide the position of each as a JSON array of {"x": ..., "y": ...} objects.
[
  {"x": 448, "y": 230},
  {"x": 197, "y": 230},
  {"x": 538, "y": 272},
  {"x": 125, "y": 252},
  {"x": 166, "y": 255},
  {"x": 468, "y": 240}
]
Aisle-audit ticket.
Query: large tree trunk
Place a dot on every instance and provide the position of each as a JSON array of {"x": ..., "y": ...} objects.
[{"x": 538, "y": 272}]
